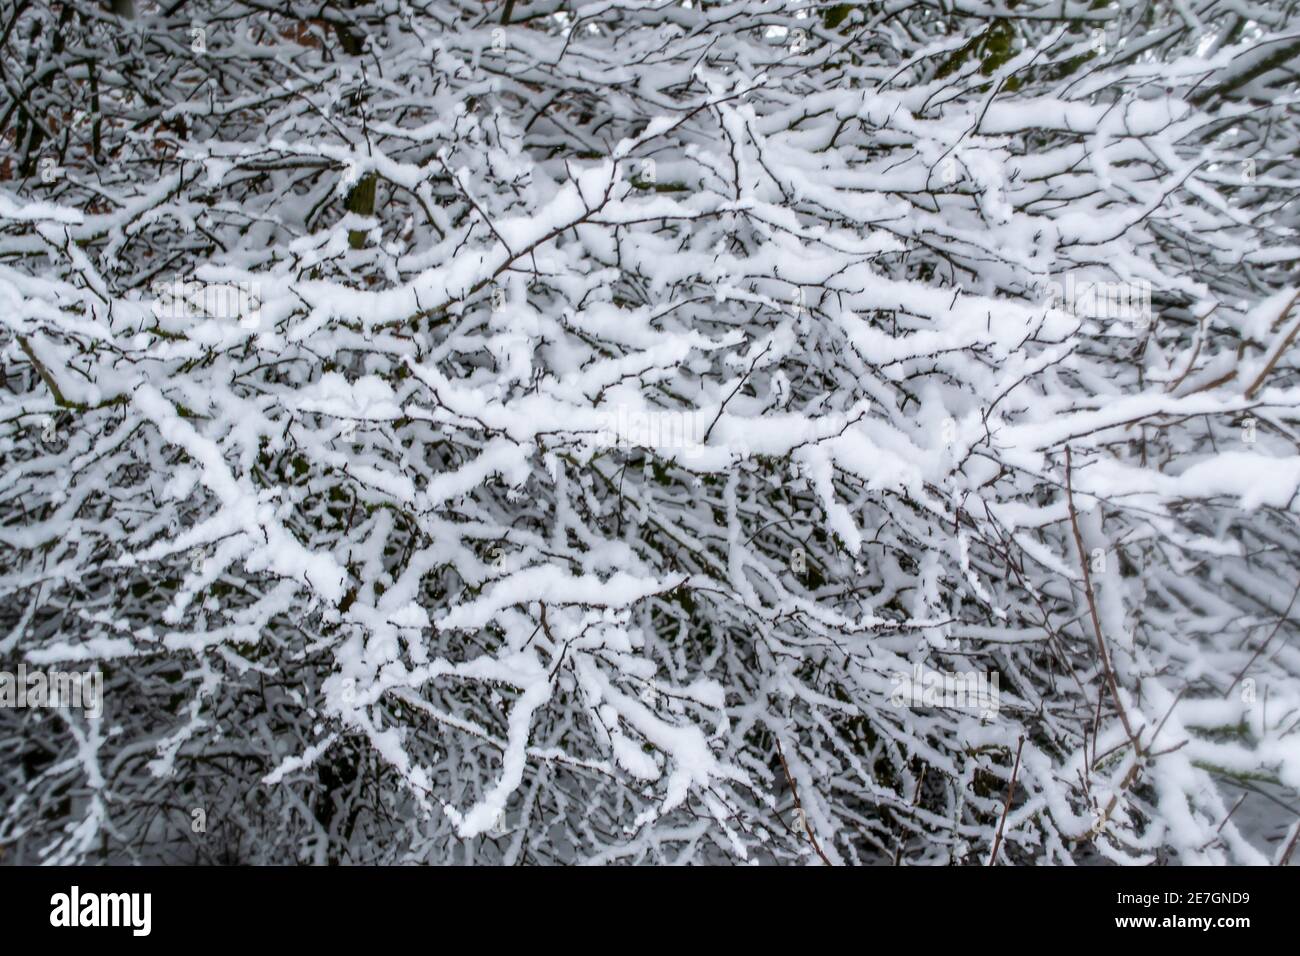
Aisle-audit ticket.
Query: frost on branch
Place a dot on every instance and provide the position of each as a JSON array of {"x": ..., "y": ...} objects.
[{"x": 567, "y": 432}]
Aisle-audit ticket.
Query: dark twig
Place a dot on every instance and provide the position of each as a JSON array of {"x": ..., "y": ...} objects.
[
  {"x": 1006, "y": 807},
  {"x": 1092, "y": 607},
  {"x": 799, "y": 806}
]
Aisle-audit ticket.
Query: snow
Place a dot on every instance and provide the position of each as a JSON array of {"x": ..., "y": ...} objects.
[{"x": 678, "y": 393}]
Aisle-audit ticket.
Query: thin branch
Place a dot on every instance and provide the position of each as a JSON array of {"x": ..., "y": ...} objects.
[
  {"x": 799, "y": 806},
  {"x": 1092, "y": 606},
  {"x": 1006, "y": 807}
]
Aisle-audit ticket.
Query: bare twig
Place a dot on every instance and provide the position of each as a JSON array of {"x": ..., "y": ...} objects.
[
  {"x": 1006, "y": 807},
  {"x": 1092, "y": 607},
  {"x": 1285, "y": 859},
  {"x": 739, "y": 384},
  {"x": 1281, "y": 347},
  {"x": 799, "y": 806}
]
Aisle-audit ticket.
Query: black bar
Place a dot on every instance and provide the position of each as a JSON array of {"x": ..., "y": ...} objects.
[{"x": 373, "y": 905}]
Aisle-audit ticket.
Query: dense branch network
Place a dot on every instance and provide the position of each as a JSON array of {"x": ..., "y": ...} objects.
[{"x": 545, "y": 431}]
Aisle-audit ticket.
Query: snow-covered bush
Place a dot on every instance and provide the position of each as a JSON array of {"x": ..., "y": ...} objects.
[{"x": 557, "y": 431}]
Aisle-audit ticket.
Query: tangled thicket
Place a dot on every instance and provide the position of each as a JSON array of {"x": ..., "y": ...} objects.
[{"x": 373, "y": 564}]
